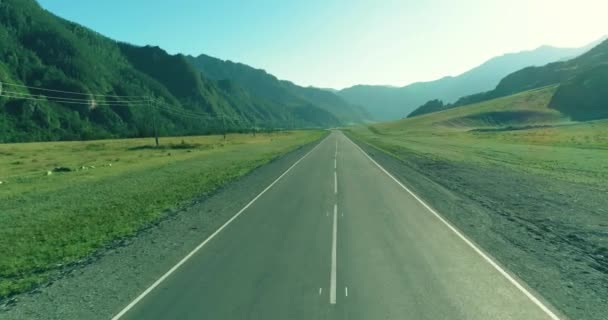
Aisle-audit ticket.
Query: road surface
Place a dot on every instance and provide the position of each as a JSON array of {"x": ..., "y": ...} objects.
[{"x": 336, "y": 237}]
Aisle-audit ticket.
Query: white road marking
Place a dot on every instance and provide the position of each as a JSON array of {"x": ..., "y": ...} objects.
[
  {"x": 334, "y": 258},
  {"x": 187, "y": 257},
  {"x": 491, "y": 261},
  {"x": 336, "y": 153},
  {"x": 320, "y": 290},
  {"x": 335, "y": 182},
  {"x": 346, "y": 291}
]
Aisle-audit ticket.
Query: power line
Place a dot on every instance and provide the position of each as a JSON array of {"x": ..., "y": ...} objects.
[
  {"x": 60, "y": 99},
  {"x": 173, "y": 110},
  {"x": 84, "y": 102},
  {"x": 89, "y": 99},
  {"x": 143, "y": 100},
  {"x": 185, "y": 115},
  {"x": 191, "y": 113},
  {"x": 68, "y": 92},
  {"x": 92, "y": 102},
  {"x": 177, "y": 112},
  {"x": 184, "y": 112}
]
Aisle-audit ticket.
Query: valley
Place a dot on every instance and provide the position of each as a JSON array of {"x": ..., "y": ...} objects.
[{"x": 148, "y": 172}]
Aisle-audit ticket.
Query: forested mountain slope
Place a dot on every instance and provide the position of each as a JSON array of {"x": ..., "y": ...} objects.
[
  {"x": 62, "y": 81},
  {"x": 268, "y": 87}
]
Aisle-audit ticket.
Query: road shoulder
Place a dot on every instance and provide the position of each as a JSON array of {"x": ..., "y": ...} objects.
[{"x": 493, "y": 209}]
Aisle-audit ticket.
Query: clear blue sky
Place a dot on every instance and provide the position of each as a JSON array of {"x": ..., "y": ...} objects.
[{"x": 340, "y": 43}]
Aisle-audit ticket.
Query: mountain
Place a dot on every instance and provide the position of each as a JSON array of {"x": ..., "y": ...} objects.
[
  {"x": 582, "y": 93},
  {"x": 268, "y": 87},
  {"x": 429, "y": 107},
  {"x": 388, "y": 103},
  {"x": 581, "y": 86},
  {"x": 62, "y": 81}
]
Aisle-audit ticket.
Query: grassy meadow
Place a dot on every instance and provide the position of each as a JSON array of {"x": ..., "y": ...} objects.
[
  {"x": 114, "y": 188},
  {"x": 518, "y": 132}
]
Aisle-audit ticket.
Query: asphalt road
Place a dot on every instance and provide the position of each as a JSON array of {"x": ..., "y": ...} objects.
[{"x": 336, "y": 237}]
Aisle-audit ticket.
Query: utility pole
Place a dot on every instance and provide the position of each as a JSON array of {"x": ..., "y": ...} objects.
[
  {"x": 3, "y": 133},
  {"x": 224, "y": 125},
  {"x": 151, "y": 104}
]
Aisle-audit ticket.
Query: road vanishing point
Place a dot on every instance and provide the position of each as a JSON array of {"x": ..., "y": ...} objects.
[{"x": 337, "y": 237}]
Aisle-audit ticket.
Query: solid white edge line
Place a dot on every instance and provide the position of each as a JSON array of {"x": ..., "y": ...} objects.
[
  {"x": 181, "y": 262},
  {"x": 334, "y": 258},
  {"x": 516, "y": 283}
]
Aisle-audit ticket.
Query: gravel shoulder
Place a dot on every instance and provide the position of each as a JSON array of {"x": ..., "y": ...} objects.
[
  {"x": 553, "y": 234},
  {"x": 107, "y": 281}
]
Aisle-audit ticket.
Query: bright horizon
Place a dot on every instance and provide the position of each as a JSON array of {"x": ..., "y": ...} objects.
[{"x": 340, "y": 44}]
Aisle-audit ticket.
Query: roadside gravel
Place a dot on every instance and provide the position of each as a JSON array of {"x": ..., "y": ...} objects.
[{"x": 552, "y": 234}]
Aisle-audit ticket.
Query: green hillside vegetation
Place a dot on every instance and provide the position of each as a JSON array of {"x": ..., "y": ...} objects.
[
  {"x": 585, "y": 96},
  {"x": 520, "y": 131},
  {"x": 524, "y": 109},
  {"x": 519, "y": 177},
  {"x": 581, "y": 94},
  {"x": 558, "y": 72},
  {"x": 268, "y": 87},
  {"x": 525, "y": 118},
  {"x": 105, "y": 87},
  {"x": 100, "y": 191},
  {"x": 429, "y": 107},
  {"x": 391, "y": 103}
]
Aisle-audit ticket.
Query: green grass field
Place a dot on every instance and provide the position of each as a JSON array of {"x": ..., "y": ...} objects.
[
  {"x": 522, "y": 180},
  {"x": 116, "y": 187},
  {"x": 518, "y": 131}
]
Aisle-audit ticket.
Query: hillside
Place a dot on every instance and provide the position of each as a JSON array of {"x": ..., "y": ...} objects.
[
  {"x": 429, "y": 107},
  {"x": 389, "y": 103},
  {"x": 581, "y": 94},
  {"x": 522, "y": 110},
  {"x": 62, "y": 81},
  {"x": 268, "y": 87}
]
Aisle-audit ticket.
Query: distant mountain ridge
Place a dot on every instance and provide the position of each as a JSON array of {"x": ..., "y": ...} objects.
[
  {"x": 389, "y": 103},
  {"x": 268, "y": 87},
  {"x": 582, "y": 92}
]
